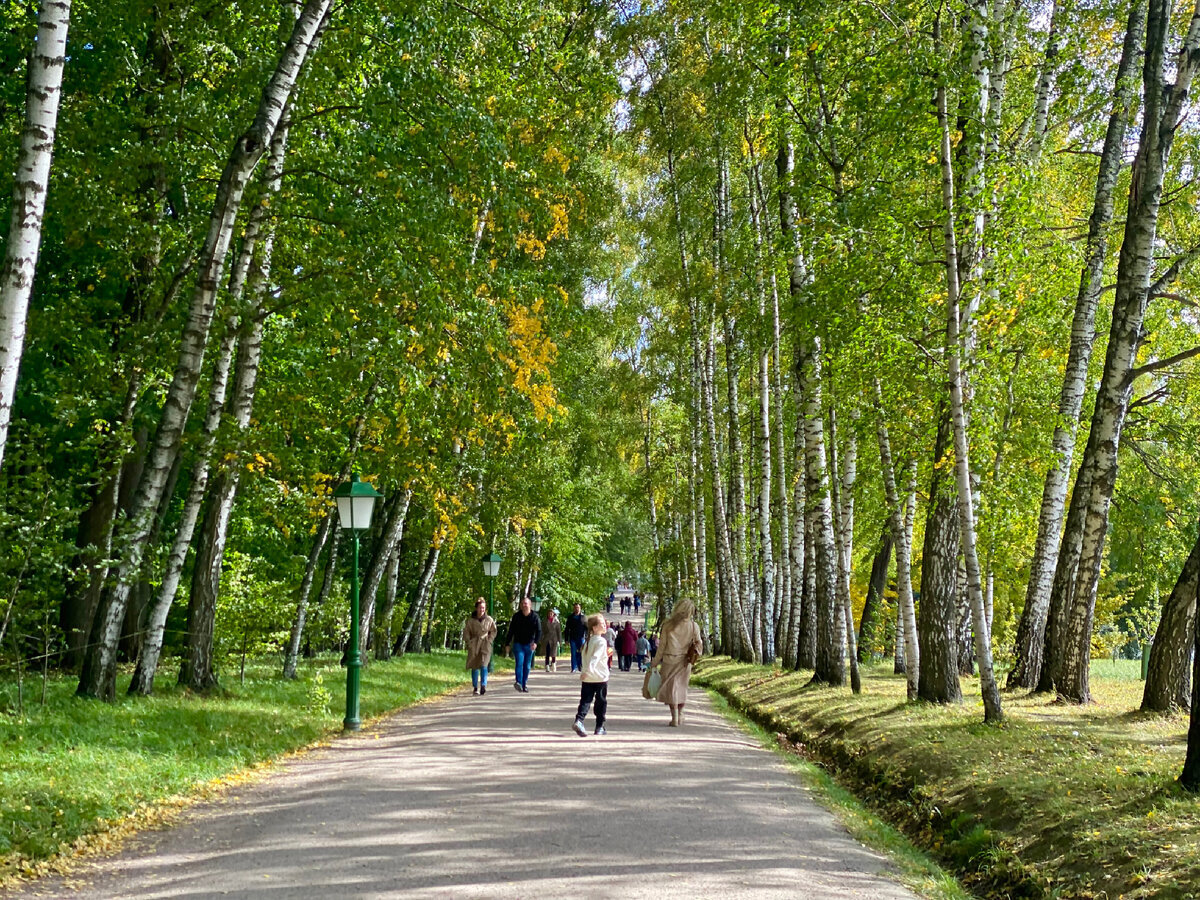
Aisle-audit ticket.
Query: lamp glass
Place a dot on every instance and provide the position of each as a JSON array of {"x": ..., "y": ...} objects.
[
  {"x": 354, "y": 513},
  {"x": 491, "y": 568}
]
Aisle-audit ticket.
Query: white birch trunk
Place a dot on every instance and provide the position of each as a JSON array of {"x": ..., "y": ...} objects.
[
  {"x": 900, "y": 523},
  {"x": 766, "y": 560},
  {"x": 844, "y": 534},
  {"x": 1047, "y": 77},
  {"x": 993, "y": 711},
  {"x": 99, "y": 670},
  {"x": 1031, "y": 632},
  {"x": 1163, "y": 112},
  {"x": 31, "y": 183},
  {"x": 389, "y": 542},
  {"x": 257, "y": 229}
]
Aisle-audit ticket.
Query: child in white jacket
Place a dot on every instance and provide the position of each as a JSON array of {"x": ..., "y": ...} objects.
[{"x": 594, "y": 677}]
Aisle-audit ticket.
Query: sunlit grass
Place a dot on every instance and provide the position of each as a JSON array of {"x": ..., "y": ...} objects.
[
  {"x": 1085, "y": 798},
  {"x": 74, "y": 768}
]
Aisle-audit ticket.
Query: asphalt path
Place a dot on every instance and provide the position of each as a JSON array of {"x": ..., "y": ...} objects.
[{"x": 496, "y": 797}]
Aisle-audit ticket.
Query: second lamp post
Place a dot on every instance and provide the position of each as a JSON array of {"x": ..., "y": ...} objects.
[{"x": 355, "y": 503}]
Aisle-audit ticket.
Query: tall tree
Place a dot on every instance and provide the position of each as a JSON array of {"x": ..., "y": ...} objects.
[{"x": 43, "y": 93}]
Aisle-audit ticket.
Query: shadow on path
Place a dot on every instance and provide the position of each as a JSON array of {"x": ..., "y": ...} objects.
[{"x": 494, "y": 796}]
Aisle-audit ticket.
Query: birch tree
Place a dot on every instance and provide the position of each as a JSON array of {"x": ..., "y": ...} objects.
[
  {"x": 44, "y": 78},
  {"x": 99, "y": 669}
]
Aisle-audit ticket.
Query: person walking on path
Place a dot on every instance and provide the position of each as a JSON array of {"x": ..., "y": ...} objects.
[
  {"x": 593, "y": 679},
  {"x": 479, "y": 631},
  {"x": 643, "y": 651},
  {"x": 627, "y": 645},
  {"x": 524, "y": 632},
  {"x": 678, "y": 648},
  {"x": 610, "y": 635},
  {"x": 577, "y": 632},
  {"x": 551, "y": 638}
]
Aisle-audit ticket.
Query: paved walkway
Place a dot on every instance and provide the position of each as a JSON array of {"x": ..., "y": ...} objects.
[{"x": 494, "y": 796}]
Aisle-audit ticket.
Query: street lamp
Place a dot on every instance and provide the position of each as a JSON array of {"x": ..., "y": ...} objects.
[
  {"x": 491, "y": 568},
  {"x": 355, "y": 503}
]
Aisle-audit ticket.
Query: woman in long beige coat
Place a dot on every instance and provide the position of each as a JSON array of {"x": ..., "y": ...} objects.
[
  {"x": 678, "y": 647},
  {"x": 478, "y": 633}
]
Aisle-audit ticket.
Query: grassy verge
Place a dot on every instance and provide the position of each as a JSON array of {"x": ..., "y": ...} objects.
[
  {"x": 77, "y": 774},
  {"x": 916, "y": 869},
  {"x": 1061, "y": 801}
]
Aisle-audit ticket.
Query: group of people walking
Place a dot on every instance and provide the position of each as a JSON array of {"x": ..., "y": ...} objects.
[
  {"x": 629, "y": 605},
  {"x": 594, "y": 643}
]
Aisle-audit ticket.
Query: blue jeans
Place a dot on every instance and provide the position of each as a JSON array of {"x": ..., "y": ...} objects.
[
  {"x": 479, "y": 677},
  {"x": 576, "y": 656},
  {"x": 523, "y": 654}
]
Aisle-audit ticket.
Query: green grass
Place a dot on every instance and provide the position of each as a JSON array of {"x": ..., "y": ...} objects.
[
  {"x": 1061, "y": 801},
  {"x": 916, "y": 869},
  {"x": 73, "y": 770}
]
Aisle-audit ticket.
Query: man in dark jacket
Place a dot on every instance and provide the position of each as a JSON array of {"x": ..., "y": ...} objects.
[
  {"x": 576, "y": 631},
  {"x": 524, "y": 632}
]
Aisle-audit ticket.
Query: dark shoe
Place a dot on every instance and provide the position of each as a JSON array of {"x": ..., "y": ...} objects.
[
  {"x": 483, "y": 690},
  {"x": 516, "y": 686},
  {"x": 524, "y": 689},
  {"x": 579, "y": 729},
  {"x": 475, "y": 691},
  {"x": 600, "y": 730}
]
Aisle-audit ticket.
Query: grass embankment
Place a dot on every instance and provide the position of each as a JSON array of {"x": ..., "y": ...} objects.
[
  {"x": 1060, "y": 801},
  {"x": 77, "y": 774}
]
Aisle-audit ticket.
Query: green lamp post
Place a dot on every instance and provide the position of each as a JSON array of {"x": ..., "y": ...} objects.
[{"x": 355, "y": 503}]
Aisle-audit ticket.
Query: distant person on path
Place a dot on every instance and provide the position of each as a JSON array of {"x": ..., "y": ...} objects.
[
  {"x": 551, "y": 638},
  {"x": 637, "y": 603},
  {"x": 627, "y": 646},
  {"x": 577, "y": 632},
  {"x": 610, "y": 635},
  {"x": 524, "y": 632},
  {"x": 594, "y": 677},
  {"x": 479, "y": 631},
  {"x": 608, "y": 603},
  {"x": 679, "y": 648},
  {"x": 643, "y": 651}
]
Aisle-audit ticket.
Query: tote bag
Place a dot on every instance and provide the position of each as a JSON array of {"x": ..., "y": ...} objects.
[{"x": 651, "y": 684}]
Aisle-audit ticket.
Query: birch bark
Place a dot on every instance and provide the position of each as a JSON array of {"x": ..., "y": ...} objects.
[
  {"x": 258, "y": 231},
  {"x": 1163, "y": 111},
  {"x": 900, "y": 526},
  {"x": 842, "y": 473},
  {"x": 99, "y": 670},
  {"x": 1189, "y": 779},
  {"x": 747, "y": 651},
  {"x": 417, "y": 607},
  {"x": 43, "y": 93},
  {"x": 1167, "y": 681},
  {"x": 1031, "y": 632},
  {"x": 830, "y": 665},
  {"x": 993, "y": 712},
  {"x": 766, "y": 558},
  {"x": 389, "y": 541}
]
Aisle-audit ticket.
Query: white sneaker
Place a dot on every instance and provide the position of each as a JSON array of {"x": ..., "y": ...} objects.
[{"x": 579, "y": 729}]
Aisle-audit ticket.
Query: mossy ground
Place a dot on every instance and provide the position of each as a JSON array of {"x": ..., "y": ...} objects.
[{"x": 1060, "y": 801}]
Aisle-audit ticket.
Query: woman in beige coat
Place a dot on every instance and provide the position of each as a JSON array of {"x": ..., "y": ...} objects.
[
  {"x": 679, "y": 646},
  {"x": 478, "y": 633}
]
